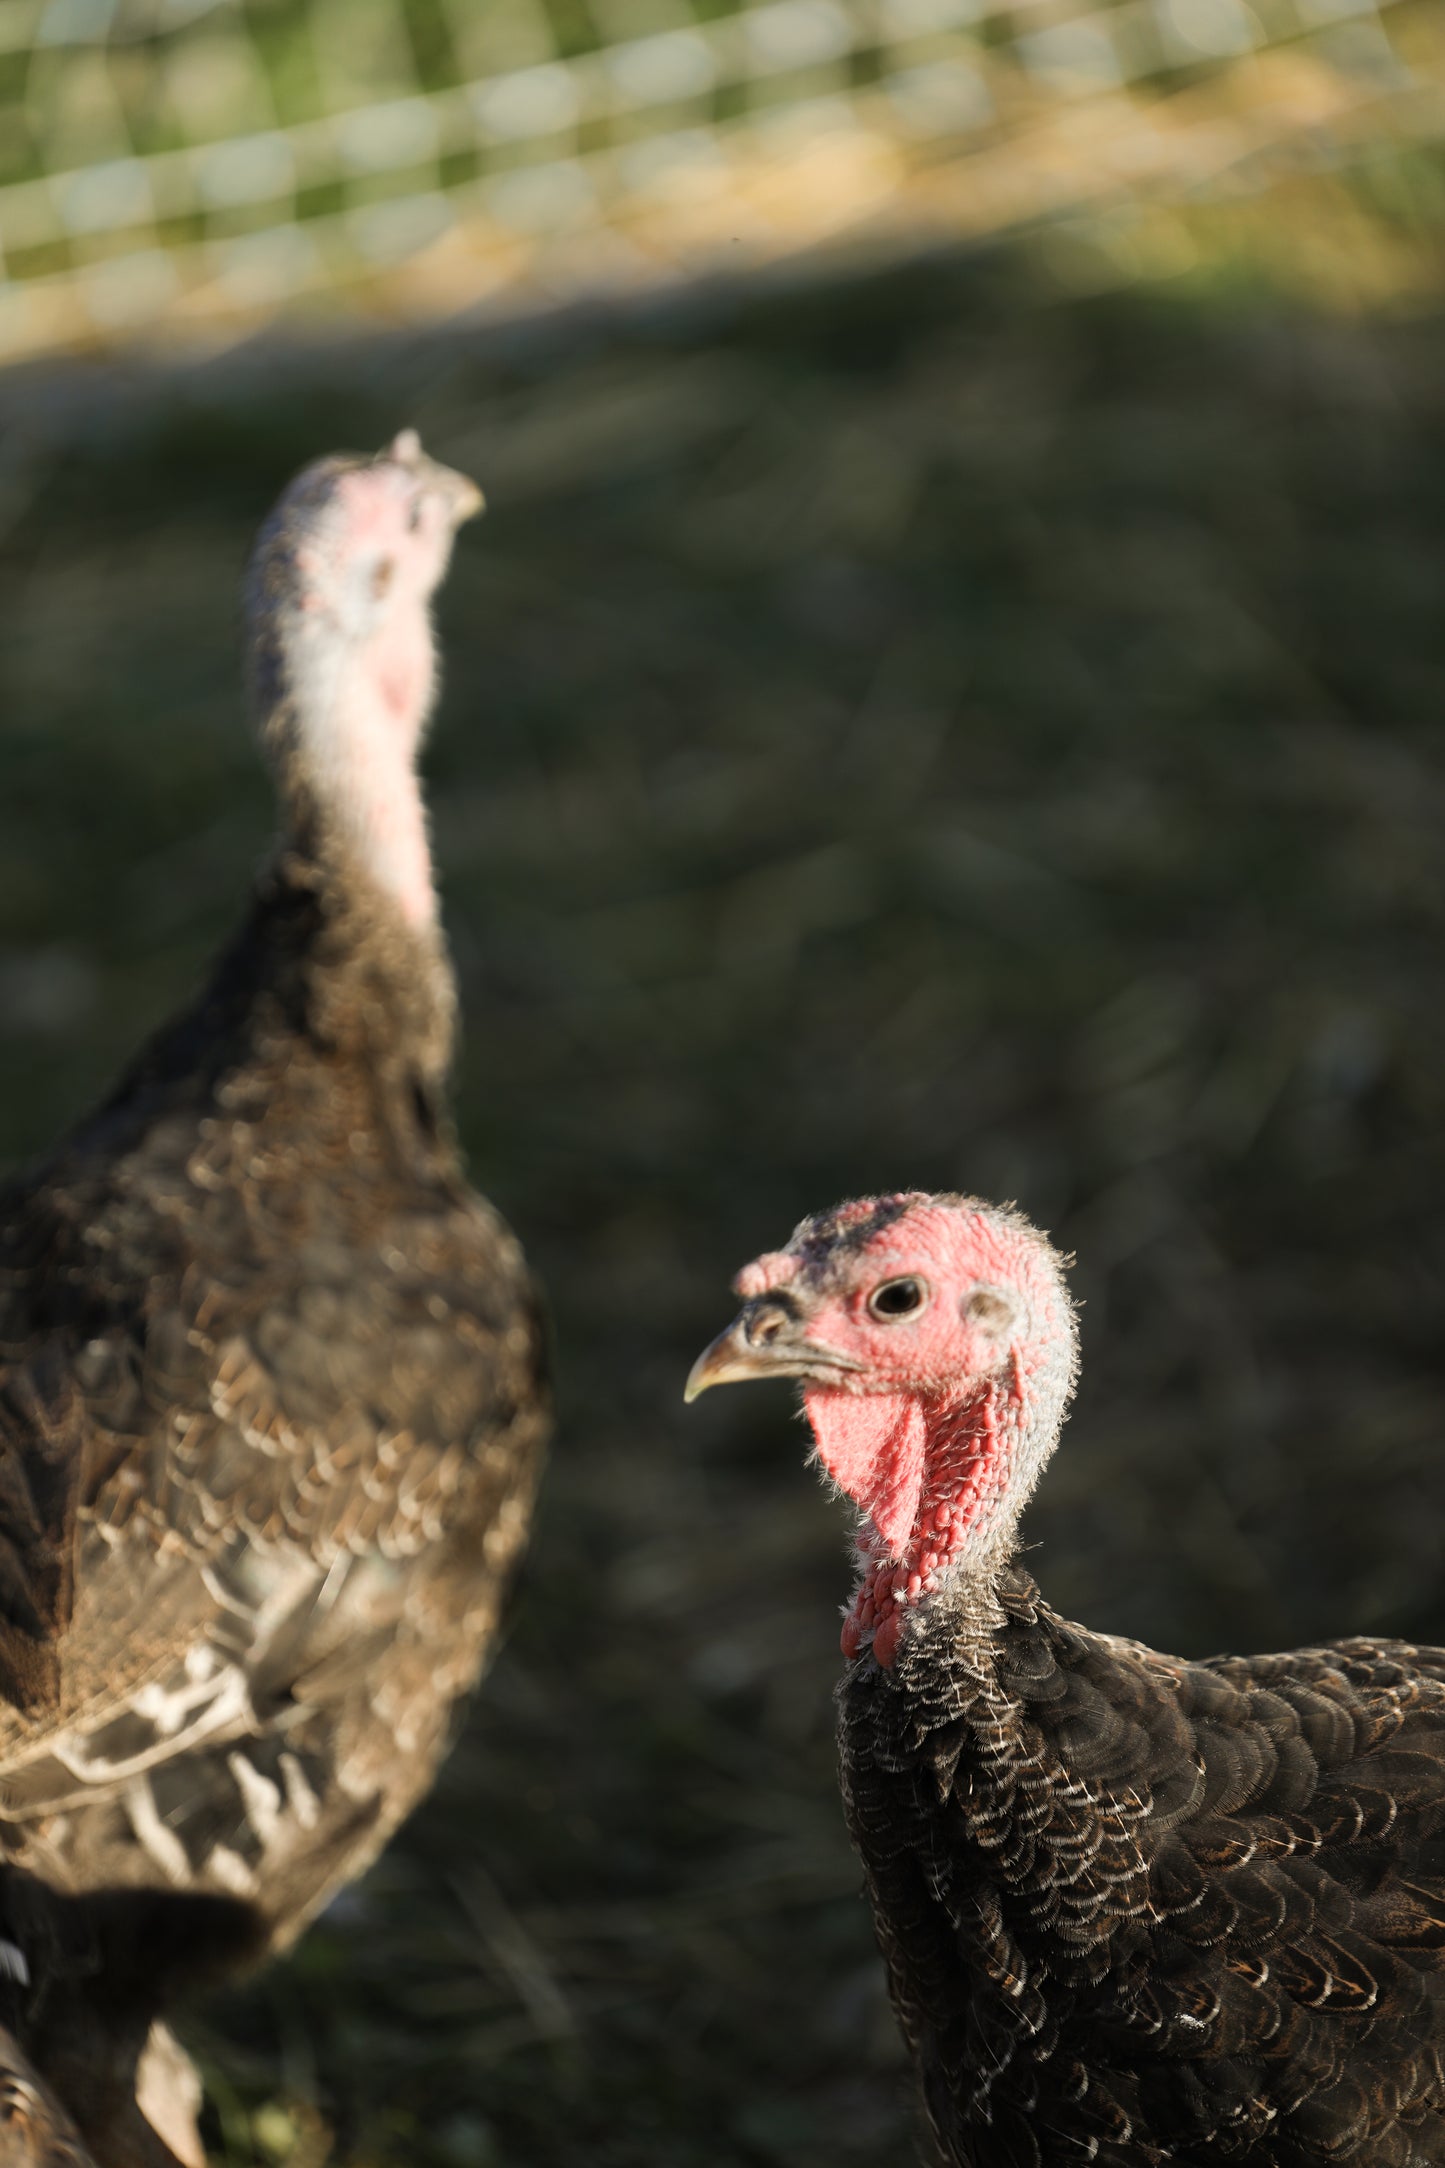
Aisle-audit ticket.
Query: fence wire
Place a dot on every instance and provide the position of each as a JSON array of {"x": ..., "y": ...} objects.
[{"x": 199, "y": 166}]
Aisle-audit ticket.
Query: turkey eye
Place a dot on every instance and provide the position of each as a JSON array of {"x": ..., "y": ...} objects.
[
  {"x": 898, "y": 1298},
  {"x": 413, "y": 517},
  {"x": 381, "y": 578}
]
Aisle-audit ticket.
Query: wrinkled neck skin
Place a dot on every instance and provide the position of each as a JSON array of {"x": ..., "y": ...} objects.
[
  {"x": 940, "y": 1481},
  {"x": 342, "y": 718}
]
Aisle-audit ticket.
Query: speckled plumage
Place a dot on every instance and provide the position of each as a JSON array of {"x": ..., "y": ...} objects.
[
  {"x": 35, "y": 2131},
  {"x": 1138, "y": 1910},
  {"x": 271, "y": 1381},
  {"x": 271, "y": 1411},
  {"x": 1134, "y": 1909}
]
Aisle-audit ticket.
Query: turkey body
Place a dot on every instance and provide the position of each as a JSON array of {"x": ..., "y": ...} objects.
[
  {"x": 272, "y": 1408},
  {"x": 1136, "y": 1910},
  {"x": 35, "y": 2131},
  {"x": 272, "y": 1396}
]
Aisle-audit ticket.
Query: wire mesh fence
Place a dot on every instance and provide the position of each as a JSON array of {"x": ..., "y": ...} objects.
[{"x": 198, "y": 166}]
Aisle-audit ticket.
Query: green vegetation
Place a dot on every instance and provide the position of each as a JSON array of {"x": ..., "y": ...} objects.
[{"x": 921, "y": 733}]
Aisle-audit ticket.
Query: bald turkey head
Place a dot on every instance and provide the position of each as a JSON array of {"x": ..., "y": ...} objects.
[
  {"x": 343, "y": 657},
  {"x": 937, "y": 1347}
]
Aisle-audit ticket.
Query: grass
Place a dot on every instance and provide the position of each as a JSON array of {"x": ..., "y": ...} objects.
[{"x": 925, "y": 732}]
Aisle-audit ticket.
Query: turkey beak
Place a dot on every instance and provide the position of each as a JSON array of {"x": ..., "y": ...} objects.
[
  {"x": 767, "y": 1339},
  {"x": 458, "y": 493}
]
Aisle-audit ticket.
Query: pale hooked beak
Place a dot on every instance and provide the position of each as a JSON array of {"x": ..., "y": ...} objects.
[
  {"x": 459, "y": 493},
  {"x": 765, "y": 1340}
]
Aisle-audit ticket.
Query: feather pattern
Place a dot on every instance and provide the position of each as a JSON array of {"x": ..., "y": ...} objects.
[
  {"x": 1134, "y": 1909},
  {"x": 272, "y": 1399},
  {"x": 1137, "y": 1910},
  {"x": 35, "y": 2131},
  {"x": 270, "y": 1413}
]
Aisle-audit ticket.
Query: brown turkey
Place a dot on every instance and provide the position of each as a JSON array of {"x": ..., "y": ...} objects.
[
  {"x": 35, "y": 2131},
  {"x": 271, "y": 1376},
  {"x": 1134, "y": 1909}
]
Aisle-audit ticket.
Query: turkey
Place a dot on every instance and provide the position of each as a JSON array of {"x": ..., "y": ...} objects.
[
  {"x": 35, "y": 2131},
  {"x": 1134, "y": 1909},
  {"x": 272, "y": 1395}
]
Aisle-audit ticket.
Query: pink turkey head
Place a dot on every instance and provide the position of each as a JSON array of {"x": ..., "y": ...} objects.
[
  {"x": 937, "y": 1345},
  {"x": 342, "y": 655}
]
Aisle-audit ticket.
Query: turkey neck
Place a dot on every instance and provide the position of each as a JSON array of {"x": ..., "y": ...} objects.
[
  {"x": 363, "y": 981},
  {"x": 341, "y": 702},
  {"x": 343, "y": 722},
  {"x": 976, "y": 1459},
  {"x": 351, "y": 799}
]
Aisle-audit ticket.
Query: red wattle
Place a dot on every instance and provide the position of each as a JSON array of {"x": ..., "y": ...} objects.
[
  {"x": 872, "y": 1444},
  {"x": 885, "y": 1639}
]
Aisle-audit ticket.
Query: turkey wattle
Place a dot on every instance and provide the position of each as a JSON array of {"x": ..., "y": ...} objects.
[
  {"x": 1134, "y": 1909},
  {"x": 271, "y": 1374}
]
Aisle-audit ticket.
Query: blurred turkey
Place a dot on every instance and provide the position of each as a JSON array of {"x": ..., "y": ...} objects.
[
  {"x": 271, "y": 1374},
  {"x": 35, "y": 2131},
  {"x": 1134, "y": 1909}
]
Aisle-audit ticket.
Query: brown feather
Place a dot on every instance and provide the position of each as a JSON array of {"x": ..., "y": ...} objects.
[{"x": 1254, "y": 1974}]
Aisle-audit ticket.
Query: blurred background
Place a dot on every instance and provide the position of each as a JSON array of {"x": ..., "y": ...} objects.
[{"x": 948, "y": 693}]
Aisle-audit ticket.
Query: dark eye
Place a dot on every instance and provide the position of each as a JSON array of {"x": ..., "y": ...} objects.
[
  {"x": 381, "y": 578},
  {"x": 898, "y": 1298},
  {"x": 413, "y": 517}
]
